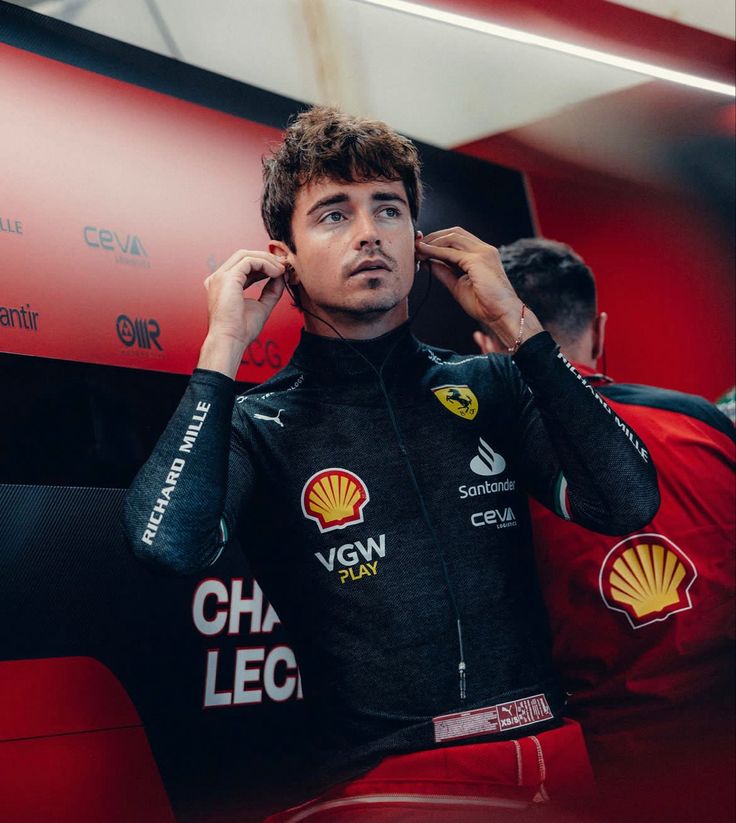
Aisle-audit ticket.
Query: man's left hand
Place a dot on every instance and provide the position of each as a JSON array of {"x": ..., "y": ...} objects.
[{"x": 472, "y": 272}]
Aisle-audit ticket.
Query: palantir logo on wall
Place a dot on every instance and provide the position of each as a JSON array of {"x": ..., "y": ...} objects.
[
  {"x": 22, "y": 317},
  {"x": 128, "y": 249},
  {"x": 10, "y": 225},
  {"x": 141, "y": 333}
]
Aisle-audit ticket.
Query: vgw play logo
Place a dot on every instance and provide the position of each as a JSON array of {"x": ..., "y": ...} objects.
[{"x": 128, "y": 249}]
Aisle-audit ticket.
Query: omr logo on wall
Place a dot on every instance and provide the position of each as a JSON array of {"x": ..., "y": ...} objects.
[
  {"x": 127, "y": 248},
  {"x": 647, "y": 578},
  {"x": 140, "y": 332},
  {"x": 334, "y": 498}
]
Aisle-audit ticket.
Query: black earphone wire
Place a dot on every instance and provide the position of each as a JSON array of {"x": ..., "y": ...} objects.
[{"x": 407, "y": 460}]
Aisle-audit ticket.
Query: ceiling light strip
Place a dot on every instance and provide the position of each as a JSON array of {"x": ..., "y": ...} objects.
[{"x": 471, "y": 24}]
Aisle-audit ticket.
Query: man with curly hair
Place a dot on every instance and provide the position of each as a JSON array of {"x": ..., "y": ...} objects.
[{"x": 379, "y": 487}]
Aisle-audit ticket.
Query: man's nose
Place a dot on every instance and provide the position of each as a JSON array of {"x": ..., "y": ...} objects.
[{"x": 366, "y": 232}]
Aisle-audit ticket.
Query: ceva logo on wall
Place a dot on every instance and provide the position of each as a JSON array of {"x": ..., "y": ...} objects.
[{"x": 127, "y": 248}]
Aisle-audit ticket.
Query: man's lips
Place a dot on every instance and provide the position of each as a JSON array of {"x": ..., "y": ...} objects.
[{"x": 368, "y": 266}]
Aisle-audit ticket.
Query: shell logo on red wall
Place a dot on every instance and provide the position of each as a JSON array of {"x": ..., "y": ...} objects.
[
  {"x": 647, "y": 578},
  {"x": 334, "y": 499}
]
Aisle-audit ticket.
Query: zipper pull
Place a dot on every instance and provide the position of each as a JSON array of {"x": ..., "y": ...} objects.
[{"x": 461, "y": 670}]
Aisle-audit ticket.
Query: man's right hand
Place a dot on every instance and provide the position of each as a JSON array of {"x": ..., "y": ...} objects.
[{"x": 235, "y": 320}]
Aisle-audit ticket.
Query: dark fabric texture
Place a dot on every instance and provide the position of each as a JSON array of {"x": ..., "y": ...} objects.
[{"x": 371, "y": 604}]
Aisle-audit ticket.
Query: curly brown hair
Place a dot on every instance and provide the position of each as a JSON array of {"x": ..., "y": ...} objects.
[{"x": 324, "y": 143}]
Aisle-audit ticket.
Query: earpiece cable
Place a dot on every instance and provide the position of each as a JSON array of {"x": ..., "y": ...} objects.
[{"x": 405, "y": 454}]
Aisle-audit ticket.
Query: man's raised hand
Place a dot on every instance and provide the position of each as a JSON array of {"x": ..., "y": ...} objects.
[
  {"x": 472, "y": 272},
  {"x": 236, "y": 318}
]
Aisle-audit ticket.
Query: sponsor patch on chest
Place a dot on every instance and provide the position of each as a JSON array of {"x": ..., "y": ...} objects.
[
  {"x": 354, "y": 561},
  {"x": 460, "y": 400},
  {"x": 334, "y": 498}
]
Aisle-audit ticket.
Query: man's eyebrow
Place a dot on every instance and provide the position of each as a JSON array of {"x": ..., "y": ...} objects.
[
  {"x": 342, "y": 197},
  {"x": 329, "y": 201},
  {"x": 385, "y": 196}
]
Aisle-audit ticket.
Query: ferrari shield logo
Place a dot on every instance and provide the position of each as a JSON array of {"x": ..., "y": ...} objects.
[{"x": 460, "y": 400}]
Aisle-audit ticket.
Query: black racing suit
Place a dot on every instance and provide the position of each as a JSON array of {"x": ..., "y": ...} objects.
[{"x": 380, "y": 503}]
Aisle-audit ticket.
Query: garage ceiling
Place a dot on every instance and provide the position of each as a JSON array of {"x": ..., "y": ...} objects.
[{"x": 458, "y": 80}]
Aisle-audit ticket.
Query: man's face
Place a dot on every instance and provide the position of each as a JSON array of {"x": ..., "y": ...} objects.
[{"x": 354, "y": 245}]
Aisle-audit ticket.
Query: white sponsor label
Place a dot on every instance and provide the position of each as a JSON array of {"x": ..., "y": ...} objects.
[{"x": 492, "y": 719}]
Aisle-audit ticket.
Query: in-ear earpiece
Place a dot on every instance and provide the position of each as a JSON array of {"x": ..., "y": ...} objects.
[
  {"x": 288, "y": 272},
  {"x": 292, "y": 288}
]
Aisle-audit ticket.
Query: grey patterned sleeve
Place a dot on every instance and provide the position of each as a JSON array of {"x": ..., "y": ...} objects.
[
  {"x": 577, "y": 456},
  {"x": 178, "y": 509}
]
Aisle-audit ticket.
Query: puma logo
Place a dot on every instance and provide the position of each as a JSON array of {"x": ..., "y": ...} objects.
[{"x": 266, "y": 417}]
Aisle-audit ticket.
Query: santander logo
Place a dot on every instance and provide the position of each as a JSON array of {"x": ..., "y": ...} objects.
[{"x": 487, "y": 462}]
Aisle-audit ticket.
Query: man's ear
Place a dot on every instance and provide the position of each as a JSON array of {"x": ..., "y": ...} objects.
[
  {"x": 599, "y": 335},
  {"x": 417, "y": 236},
  {"x": 279, "y": 249},
  {"x": 488, "y": 344}
]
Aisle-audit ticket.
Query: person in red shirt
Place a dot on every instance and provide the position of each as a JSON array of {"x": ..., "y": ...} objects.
[{"x": 643, "y": 626}]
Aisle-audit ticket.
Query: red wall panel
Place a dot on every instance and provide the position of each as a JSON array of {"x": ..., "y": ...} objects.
[
  {"x": 72, "y": 747},
  {"x": 117, "y": 202},
  {"x": 664, "y": 267}
]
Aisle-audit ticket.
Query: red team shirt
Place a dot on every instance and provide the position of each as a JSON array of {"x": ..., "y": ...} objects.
[{"x": 643, "y": 626}]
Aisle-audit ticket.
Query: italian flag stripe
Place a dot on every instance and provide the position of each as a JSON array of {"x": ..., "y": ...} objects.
[{"x": 561, "y": 503}]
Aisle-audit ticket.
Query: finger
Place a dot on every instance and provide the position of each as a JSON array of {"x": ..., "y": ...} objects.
[
  {"x": 454, "y": 230},
  {"x": 237, "y": 257},
  {"x": 271, "y": 293},
  {"x": 234, "y": 258},
  {"x": 439, "y": 252},
  {"x": 252, "y": 269},
  {"x": 240, "y": 255},
  {"x": 457, "y": 241}
]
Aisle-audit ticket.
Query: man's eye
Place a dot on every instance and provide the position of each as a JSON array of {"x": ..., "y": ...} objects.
[
  {"x": 391, "y": 211},
  {"x": 333, "y": 217}
]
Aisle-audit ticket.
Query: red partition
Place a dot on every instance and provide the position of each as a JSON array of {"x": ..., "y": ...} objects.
[
  {"x": 119, "y": 202},
  {"x": 72, "y": 747},
  {"x": 665, "y": 276}
]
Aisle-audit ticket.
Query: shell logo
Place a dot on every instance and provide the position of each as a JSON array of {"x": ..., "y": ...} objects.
[
  {"x": 334, "y": 498},
  {"x": 648, "y": 578}
]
